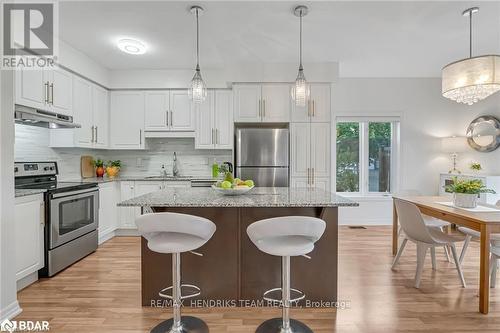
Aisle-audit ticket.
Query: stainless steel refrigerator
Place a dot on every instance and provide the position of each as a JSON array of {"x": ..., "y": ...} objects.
[{"x": 262, "y": 154}]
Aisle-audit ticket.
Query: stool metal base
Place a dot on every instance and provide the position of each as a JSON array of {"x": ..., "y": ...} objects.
[
  {"x": 275, "y": 325},
  {"x": 189, "y": 325}
]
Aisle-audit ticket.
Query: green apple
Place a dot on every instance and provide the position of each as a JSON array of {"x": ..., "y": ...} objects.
[
  {"x": 226, "y": 184},
  {"x": 249, "y": 183}
]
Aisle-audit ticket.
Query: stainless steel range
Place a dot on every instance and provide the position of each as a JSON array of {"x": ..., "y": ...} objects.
[{"x": 71, "y": 214}]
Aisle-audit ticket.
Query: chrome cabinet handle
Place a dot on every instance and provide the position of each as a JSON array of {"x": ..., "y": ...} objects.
[
  {"x": 140, "y": 137},
  {"x": 212, "y": 138},
  {"x": 46, "y": 88},
  {"x": 96, "y": 134},
  {"x": 314, "y": 108},
  {"x": 260, "y": 108},
  {"x": 52, "y": 93},
  {"x": 309, "y": 108},
  {"x": 171, "y": 118},
  {"x": 308, "y": 176},
  {"x": 92, "y": 130},
  {"x": 312, "y": 178},
  {"x": 166, "y": 113},
  {"x": 263, "y": 108},
  {"x": 42, "y": 213}
]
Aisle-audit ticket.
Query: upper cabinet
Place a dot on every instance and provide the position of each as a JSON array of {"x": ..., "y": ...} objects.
[
  {"x": 169, "y": 111},
  {"x": 90, "y": 105},
  {"x": 267, "y": 102},
  {"x": 214, "y": 121},
  {"x": 48, "y": 89},
  {"x": 127, "y": 120},
  {"x": 318, "y": 107}
]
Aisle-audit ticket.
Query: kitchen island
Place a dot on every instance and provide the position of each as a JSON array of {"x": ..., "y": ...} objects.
[{"x": 232, "y": 271}]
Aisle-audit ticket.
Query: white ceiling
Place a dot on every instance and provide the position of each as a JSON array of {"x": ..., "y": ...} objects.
[{"x": 368, "y": 39}]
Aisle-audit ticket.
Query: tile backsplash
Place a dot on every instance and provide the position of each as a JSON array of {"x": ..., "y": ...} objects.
[{"x": 32, "y": 144}]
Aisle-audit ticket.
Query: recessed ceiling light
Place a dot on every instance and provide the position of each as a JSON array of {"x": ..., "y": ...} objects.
[{"x": 131, "y": 46}]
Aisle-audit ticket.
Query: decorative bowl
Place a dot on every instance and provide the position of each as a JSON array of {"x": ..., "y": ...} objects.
[{"x": 232, "y": 191}]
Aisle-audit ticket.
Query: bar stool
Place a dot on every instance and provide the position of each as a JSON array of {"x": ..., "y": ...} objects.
[
  {"x": 176, "y": 233},
  {"x": 285, "y": 237}
]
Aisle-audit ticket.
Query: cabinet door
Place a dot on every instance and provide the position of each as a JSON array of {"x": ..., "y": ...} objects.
[
  {"x": 177, "y": 183},
  {"x": 145, "y": 187},
  {"x": 107, "y": 209},
  {"x": 29, "y": 236},
  {"x": 322, "y": 183},
  {"x": 182, "y": 111},
  {"x": 205, "y": 114},
  {"x": 276, "y": 102},
  {"x": 61, "y": 91},
  {"x": 100, "y": 100},
  {"x": 157, "y": 110},
  {"x": 300, "y": 134},
  {"x": 127, "y": 120},
  {"x": 127, "y": 214},
  {"x": 299, "y": 182},
  {"x": 246, "y": 103},
  {"x": 82, "y": 112},
  {"x": 320, "y": 149},
  {"x": 224, "y": 119},
  {"x": 320, "y": 102},
  {"x": 31, "y": 89}
]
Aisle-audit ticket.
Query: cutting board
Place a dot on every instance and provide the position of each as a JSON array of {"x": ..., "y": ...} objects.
[{"x": 87, "y": 167}]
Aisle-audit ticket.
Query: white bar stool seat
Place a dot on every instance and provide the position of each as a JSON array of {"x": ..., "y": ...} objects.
[
  {"x": 285, "y": 237},
  {"x": 174, "y": 233}
]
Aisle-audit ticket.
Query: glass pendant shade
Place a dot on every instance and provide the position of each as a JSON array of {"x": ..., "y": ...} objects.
[
  {"x": 198, "y": 90},
  {"x": 471, "y": 80},
  {"x": 301, "y": 90}
]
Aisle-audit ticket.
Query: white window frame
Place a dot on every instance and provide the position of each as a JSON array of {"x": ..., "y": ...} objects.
[{"x": 363, "y": 121}]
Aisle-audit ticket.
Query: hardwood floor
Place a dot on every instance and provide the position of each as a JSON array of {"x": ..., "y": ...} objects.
[{"x": 102, "y": 294}]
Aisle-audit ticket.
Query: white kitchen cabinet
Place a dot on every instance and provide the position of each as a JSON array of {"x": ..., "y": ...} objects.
[
  {"x": 107, "y": 210},
  {"x": 318, "y": 108},
  {"x": 91, "y": 112},
  {"x": 181, "y": 111},
  {"x": 145, "y": 187},
  {"x": 299, "y": 182},
  {"x": 177, "y": 183},
  {"x": 157, "y": 110},
  {"x": 127, "y": 120},
  {"x": 29, "y": 235},
  {"x": 214, "y": 122},
  {"x": 47, "y": 89},
  {"x": 267, "y": 102},
  {"x": 127, "y": 215},
  {"x": 310, "y": 154}
]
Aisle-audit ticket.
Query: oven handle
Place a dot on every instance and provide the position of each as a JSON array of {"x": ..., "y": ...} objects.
[{"x": 67, "y": 194}]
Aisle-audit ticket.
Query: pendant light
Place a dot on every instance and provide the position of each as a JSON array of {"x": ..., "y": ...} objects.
[
  {"x": 300, "y": 90},
  {"x": 472, "y": 79},
  {"x": 198, "y": 89}
]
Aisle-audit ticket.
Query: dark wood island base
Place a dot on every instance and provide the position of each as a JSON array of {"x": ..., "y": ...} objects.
[{"x": 232, "y": 271}]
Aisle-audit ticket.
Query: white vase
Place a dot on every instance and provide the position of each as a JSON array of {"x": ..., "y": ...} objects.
[{"x": 465, "y": 200}]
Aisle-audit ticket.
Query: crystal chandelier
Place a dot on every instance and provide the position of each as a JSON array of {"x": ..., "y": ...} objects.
[
  {"x": 198, "y": 89},
  {"x": 473, "y": 79},
  {"x": 300, "y": 90}
]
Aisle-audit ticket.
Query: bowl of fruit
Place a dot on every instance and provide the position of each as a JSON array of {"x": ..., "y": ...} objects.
[{"x": 236, "y": 187}]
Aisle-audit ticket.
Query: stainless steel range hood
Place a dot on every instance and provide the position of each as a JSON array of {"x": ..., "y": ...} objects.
[{"x": 34, "y": 117}]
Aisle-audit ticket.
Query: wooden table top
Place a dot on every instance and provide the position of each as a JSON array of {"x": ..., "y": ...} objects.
[{"x": 432, "y": 202}]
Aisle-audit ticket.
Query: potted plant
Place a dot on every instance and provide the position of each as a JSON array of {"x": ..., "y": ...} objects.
[
  {"x": 466, "y": 191},
  {"x": 113, "y": 167},
  {"x": 99, "y": 167}
]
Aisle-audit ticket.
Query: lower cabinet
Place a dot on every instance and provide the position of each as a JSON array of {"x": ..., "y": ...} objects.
[
  {"x": 29, "y": 236},
  {"x": 108, "y": 196},
  {"x": 319, "y": 182}
]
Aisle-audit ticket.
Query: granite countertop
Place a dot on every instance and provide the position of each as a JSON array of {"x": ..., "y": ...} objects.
[
  {"x": 258, "y": 197},
  {"x": 140, "y": 178},
  {"x": 26, "y": 192}
]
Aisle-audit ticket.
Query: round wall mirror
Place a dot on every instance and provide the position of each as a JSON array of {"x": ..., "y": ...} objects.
[{"x": 483, "y": 133}]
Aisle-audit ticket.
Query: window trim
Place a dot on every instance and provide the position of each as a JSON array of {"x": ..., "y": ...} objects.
[{"x": 364, "y": 120}]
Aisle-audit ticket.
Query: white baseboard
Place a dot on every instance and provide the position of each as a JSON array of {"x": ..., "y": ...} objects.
[
  {"x": 10, "y": 311},
  {"x": 127, "y": 232},
  {"x": 27, "y": 280},
  {"x": 107, "y": 236}
]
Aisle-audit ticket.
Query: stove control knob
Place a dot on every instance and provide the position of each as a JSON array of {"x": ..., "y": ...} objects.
[{"x": 46, "y": 169}]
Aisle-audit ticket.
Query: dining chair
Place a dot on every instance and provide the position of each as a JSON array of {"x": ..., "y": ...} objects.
[
  {"x": 429, "y": 221},
  {"x": 424, "y": 237}
]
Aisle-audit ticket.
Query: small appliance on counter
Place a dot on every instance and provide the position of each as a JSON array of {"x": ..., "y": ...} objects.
[
  {"x": 262, "y": 154},
  {"x": 71, "y": 214}
]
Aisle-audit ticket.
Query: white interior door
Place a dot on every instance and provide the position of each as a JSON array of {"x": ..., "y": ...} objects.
[
  {"x": 276, "y": 102},
  {"x": 61, "y": 91},
  {"x": 82, "y": 112},
  {"x": 320, "y": 100},
  {"x": 100, "y": 100},
  {"x": 224, "y": 119},
  {"x": 127, "y": 119},
  {"x": 246, "y": 104},
  {"x": 157, "y": 110},
  {"x": 300, "y": 137},
  {"x": 31, "y": 89},
  {"x": 205, "y": 114},
  {"x": 182, "y": 116},
  {"x": 320, "y": 149}
]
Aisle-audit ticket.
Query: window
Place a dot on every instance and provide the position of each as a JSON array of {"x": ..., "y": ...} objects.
[{"x": 366, "y": 154}]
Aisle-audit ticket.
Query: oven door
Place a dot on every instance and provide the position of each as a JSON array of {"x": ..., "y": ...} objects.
[{"x": 73, "y": 214}]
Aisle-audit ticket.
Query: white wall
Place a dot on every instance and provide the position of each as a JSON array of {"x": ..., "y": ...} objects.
[
  {"x": 425, "y": 118},
  {"x": 9, "y": 306}
]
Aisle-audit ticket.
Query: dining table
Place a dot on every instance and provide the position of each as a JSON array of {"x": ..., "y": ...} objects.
[{"x": 484, "y": 219}]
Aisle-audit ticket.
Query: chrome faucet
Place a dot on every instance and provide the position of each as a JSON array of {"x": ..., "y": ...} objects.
[{"x": 175, "y": 169}]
